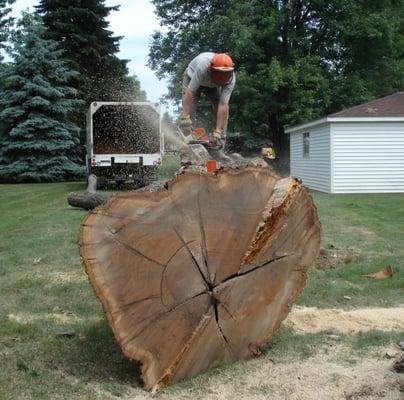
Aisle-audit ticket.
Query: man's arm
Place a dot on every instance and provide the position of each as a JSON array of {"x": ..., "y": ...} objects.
[
  {"x": 222, "y": 116},
  {"x": 223, "y": 108},
  {"x": 187, "y": 102}
]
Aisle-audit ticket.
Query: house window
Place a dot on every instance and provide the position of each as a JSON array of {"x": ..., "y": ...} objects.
[{"x": 306, "y": 145}]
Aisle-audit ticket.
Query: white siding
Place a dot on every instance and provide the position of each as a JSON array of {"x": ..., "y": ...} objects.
[
  {"x": 315, "y": 171},
  {"x": 368, "y": 157}
]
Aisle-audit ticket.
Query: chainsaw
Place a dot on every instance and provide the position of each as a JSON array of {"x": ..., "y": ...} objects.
[{"x": 197, "y": 136}]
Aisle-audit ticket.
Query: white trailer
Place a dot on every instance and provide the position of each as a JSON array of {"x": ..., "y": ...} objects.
[{"x": 124, "y": 141}]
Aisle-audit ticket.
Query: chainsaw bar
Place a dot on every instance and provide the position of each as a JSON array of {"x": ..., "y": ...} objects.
[
  {"x": 208, "y": 145},
  {"x": 198, "y": 136}
]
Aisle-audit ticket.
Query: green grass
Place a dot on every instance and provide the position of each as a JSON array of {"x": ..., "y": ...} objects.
[
  {"x": 371, "y": 225},
  {"x": 287, "y": 343},
  {"x": 45, "y": 292},
  {"x": 170, "y": 165}
]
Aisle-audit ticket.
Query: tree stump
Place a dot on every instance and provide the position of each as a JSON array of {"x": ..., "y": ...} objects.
[{"x": 203, "y": 271}]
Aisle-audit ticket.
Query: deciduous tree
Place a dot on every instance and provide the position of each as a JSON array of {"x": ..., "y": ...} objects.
[{"x": 296, "y": 59}]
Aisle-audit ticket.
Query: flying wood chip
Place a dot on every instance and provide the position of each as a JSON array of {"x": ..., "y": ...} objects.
[{"x": 202, "y": 272}]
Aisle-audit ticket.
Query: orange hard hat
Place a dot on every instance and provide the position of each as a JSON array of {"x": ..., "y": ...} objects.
[
  {"x": 221, "y": 68},
  {"x": 222, "y": 62}
]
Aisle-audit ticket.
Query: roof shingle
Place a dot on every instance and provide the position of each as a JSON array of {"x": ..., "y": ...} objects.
[{"x": 389, "y": 106}]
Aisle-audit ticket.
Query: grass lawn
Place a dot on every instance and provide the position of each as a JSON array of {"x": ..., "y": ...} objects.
[
  {"x": 371, "y": 227},
  {"x": 54, "y": 341}
]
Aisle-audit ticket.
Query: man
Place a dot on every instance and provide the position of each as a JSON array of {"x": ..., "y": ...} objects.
[{"x": 211, "y": 74}]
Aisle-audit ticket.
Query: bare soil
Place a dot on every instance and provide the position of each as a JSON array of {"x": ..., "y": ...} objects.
[
  {"x": 330, "y": 257},
  {"x": 312, "y": 320}
]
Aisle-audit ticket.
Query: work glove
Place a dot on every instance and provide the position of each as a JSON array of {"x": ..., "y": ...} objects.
[
  {"x": 185, "y": 121},
  {"x": 218, "y": 138}
]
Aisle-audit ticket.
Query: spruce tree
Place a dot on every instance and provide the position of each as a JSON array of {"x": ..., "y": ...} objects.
[
  {"x": 81, "y": 28},
  {"x": 135, "y": 91},
  {"x": 5, "y": 22},
  {"x": 39, "y": 142}
]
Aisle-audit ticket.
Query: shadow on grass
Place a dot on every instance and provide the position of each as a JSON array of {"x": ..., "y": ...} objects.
[{"x": 94, "y": 355}]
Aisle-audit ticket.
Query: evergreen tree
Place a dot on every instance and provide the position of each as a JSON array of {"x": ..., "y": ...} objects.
[
  {"x": 5, "y": 22},
  {"x": 130, "y": 90},
  {"x": 81, "y": 28},
  {"x": 135, "y": 91},
  {"x": 39, "y": 143}
]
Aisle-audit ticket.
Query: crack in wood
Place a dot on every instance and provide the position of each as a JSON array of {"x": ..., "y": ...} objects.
[
  {"x": 205, "y": 280},
  {"x": 159, "y": 316},
  {"x": 136, "y": 302},
  {"x": 263, "y": 265},
  {"x": 131, "y": 248},
  {"x": 165, "y": 270},
  {"x": 228, "y": 311},
  {"x": 215, "y": 303},
  {"x": 203, "y": 234}
]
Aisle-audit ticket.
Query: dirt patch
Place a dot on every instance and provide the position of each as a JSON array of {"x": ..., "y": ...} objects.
[
  {"x": 312, "y": 320},
  {"x": 59, "y": 318},
  {"x": 331, "y": 256},
  {"x": 60, "y": 278},
  {"x": 320, "y": 377}
]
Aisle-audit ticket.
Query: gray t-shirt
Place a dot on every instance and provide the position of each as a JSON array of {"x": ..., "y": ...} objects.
[{"x": 199, "y": 72}]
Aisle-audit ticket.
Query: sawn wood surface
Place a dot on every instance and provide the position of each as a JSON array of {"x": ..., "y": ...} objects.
[{"x": 202, "y": 272}]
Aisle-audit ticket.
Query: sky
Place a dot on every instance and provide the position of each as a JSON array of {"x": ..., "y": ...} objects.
[{"x": 136, "y": 22}]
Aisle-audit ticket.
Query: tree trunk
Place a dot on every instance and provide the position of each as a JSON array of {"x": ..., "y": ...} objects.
[
  {"x": 91, "y": 199},
  {"x": 87, "y": 200},
  {"x": 203, "y": 271}
]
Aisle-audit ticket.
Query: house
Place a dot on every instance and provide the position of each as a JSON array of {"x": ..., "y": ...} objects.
[{"x": 358, "y": 150}]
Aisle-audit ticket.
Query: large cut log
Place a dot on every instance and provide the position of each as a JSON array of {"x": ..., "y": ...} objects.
[{"x": 203, "y": 271}]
